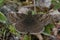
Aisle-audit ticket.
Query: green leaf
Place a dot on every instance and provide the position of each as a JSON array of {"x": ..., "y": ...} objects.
[
  {"x": 26, "y": 37},
  {"x": 56, "y": 4},
  {"x": 48, "y": 28},
  {"x": 1, "y": 2},
  {"x": 33, "y": 12},
  {"x": 3, "y": 19},
  {"x": 13, "y": 30}
]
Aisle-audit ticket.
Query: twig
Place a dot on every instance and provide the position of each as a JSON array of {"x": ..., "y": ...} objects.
[{"x": 34, "y": 7}]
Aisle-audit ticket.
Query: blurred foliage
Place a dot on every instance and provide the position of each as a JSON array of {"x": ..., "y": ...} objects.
[
  {"x": 56, "y": 4},
  {"x": 3, "y": 31},
  {"x": 48, "y": 28},
  {"x": 33, "y": 12},
  {"x": 10, "y": 27},
  {"x": 3, "y": 19},
  {"x": 13, "y": 30},
  {"x": 27, "y": 37},
  {"x": 13, "y": 1},
  {"x": 1, "y": 2}
]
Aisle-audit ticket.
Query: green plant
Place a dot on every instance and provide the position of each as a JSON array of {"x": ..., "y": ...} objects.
[
  {"x": 1, "y": 2},
  {"x": 27, "y": 37},
  {"x": 3, "y": 18},
  {"x": 56, "y": 4},
  {"x": 48, "y": 29},
  {"x": 7, "y": 28}
]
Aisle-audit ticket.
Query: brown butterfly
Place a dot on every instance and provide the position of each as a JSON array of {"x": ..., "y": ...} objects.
[{"x": 30, "y": 23}]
